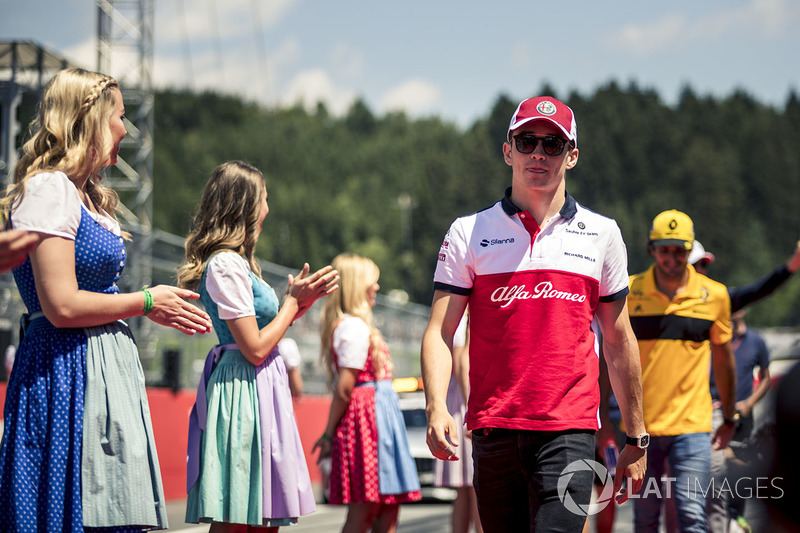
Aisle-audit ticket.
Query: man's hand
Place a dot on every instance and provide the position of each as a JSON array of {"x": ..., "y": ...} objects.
[
  {"x": 744, "y": 408},
  {"x": 722, "y": 436},
  {"x": 442, "y": 436},
  {"x": 631, "y": 465}
]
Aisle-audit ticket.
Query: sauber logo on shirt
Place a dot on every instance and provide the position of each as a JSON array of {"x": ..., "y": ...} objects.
[
  {"x": 442, "y": 257},
  {"x": 543, "y": 290},
  {"x": 492, "y": 242}
]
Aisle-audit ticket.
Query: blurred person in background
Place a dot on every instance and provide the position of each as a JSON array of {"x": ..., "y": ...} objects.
[
  {"x": 372, "y": 471},
  {"x": 751, "y": 353},
  {"x": 682, "y": 324},
  {"x": 742, "y": 296},
  {"x": 290, "y": 352}
]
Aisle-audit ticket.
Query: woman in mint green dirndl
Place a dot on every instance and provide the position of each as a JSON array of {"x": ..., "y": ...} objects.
[{"x": 245, "y": 460}]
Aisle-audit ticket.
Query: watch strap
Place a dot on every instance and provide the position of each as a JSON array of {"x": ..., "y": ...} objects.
[
  {"x": 641, "y": 441},
  {"x": 733, "y": 420}
]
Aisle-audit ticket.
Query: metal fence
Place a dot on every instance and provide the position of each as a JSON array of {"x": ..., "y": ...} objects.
[{"x": 175, "y": 360}]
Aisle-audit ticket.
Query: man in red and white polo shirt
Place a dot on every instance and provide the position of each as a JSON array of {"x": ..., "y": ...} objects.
[{"x": 535, "y": 269}]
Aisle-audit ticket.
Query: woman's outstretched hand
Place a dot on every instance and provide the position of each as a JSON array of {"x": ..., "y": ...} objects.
[
  {"x": 308, "y": 288},
  {"x": 171, "y": 310},
  {"x": 15, "y": 245},
  {"x": 324, "y": 445}
]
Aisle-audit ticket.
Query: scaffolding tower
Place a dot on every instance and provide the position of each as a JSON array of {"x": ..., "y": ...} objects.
[
  {"x": 125, "y": 52},
  {"x": 25, "y": 68}
]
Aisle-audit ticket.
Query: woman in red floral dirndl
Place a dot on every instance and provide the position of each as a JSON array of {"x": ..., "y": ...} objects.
[{"x": 372, "y": 470}]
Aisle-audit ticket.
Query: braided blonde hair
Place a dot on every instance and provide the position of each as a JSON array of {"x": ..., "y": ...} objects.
[{"x": 70, "y": 133}]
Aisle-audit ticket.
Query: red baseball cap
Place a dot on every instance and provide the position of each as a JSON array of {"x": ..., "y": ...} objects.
[{"x": 545, "y": 108}]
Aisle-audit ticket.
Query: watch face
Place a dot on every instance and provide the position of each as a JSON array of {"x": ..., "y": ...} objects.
[{"x": 644, "y": 441}]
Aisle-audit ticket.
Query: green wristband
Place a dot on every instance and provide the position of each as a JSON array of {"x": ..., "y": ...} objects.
[{"x": 148, "y": 301}]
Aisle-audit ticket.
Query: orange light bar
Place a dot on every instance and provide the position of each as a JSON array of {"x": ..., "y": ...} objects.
[{"x": 405, "y": 384}]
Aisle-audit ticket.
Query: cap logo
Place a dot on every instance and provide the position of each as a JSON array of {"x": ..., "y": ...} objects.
[
  {"x": 546, "y": 108},
  {"x": 673, "y": 224}
]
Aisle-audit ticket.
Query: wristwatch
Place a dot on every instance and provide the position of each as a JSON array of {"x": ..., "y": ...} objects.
[
  {"x": 734, "y": 420},
  {"x": 641, "y": 441}
]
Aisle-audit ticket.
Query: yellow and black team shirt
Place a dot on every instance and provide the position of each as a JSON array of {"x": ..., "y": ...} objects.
[{"x": 675, "y": 338}]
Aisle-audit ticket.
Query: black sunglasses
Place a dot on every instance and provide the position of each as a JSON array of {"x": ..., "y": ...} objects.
[{"x": 527, "y": 143}]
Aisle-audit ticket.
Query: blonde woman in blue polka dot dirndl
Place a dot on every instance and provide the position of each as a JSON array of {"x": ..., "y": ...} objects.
[{"x": 78, "y": 451}]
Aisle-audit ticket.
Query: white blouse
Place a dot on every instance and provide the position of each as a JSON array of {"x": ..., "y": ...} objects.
[
  {"x": 229, "y": 285},
  {"x": 290, "y": 352},
  {"x": 460, "y": 335},
  {"x": 51, "y": 206},
  {"x": 351, "y": 342}
]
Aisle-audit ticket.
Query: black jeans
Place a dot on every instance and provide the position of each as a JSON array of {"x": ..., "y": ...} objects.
[{"x": 517, "y": 475}]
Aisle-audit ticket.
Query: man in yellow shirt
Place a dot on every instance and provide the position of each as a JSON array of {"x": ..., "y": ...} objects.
[{"x": 681, "y": 319}]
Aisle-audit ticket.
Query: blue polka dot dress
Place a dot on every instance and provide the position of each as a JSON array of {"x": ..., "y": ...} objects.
[{"x": 78, "y": 449}]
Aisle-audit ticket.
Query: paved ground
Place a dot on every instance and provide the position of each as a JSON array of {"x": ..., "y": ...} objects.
[
  {"x": 425, "y": 518},
  {"x": 418, "y": 517},
  {"x": 414, "y": 518}
]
